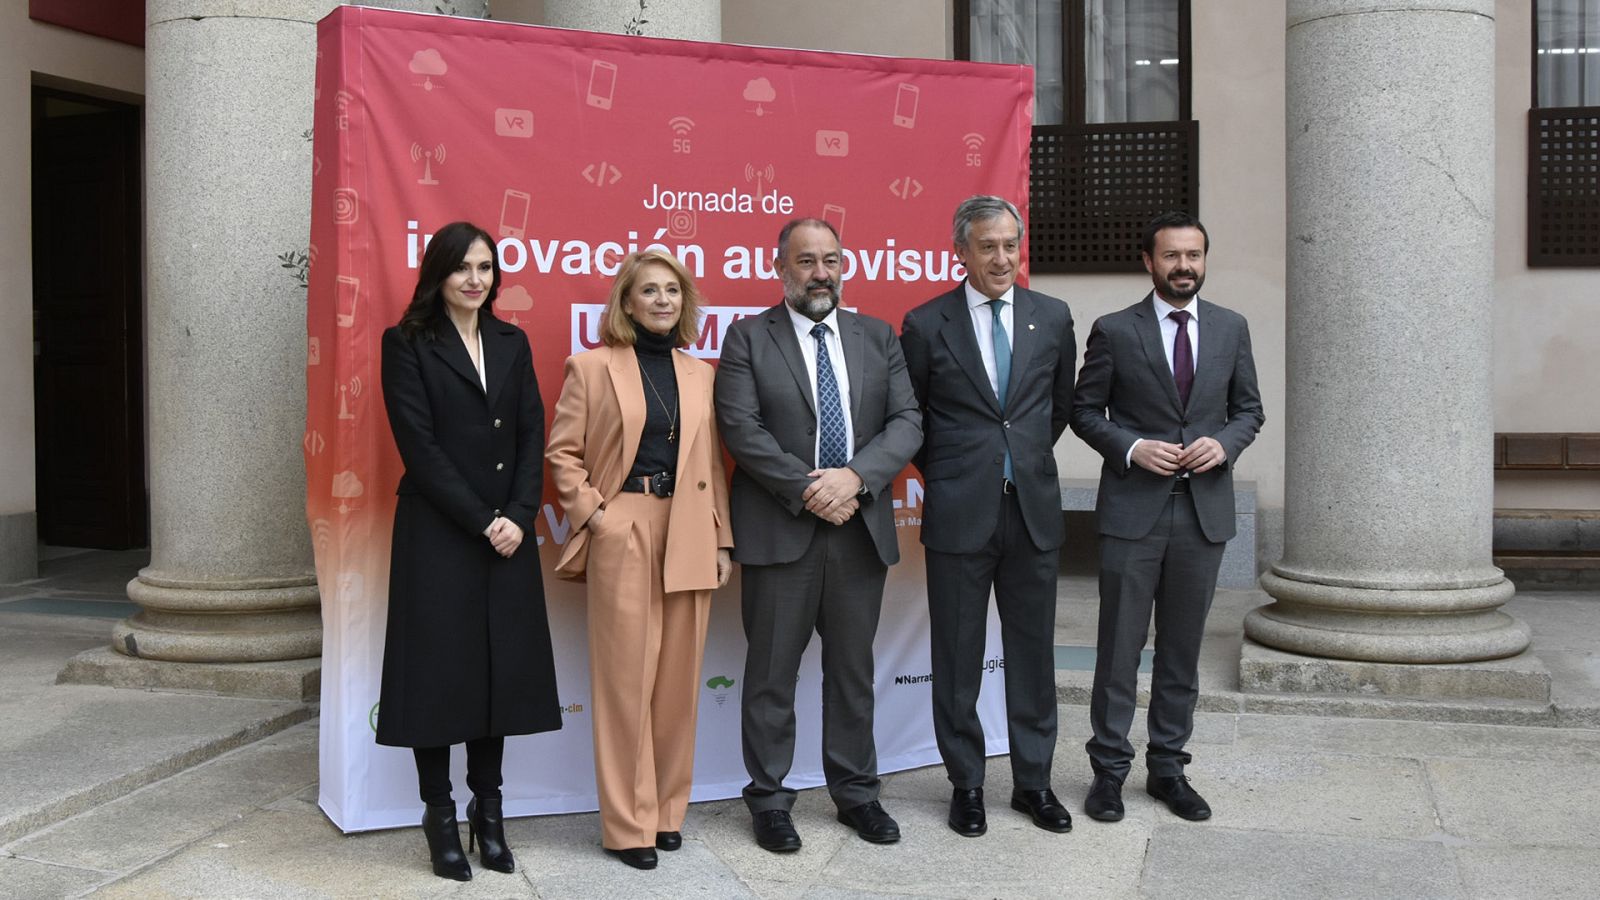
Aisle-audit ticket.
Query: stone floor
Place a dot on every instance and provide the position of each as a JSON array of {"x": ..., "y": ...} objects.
[{"x": 140, "y": 794}]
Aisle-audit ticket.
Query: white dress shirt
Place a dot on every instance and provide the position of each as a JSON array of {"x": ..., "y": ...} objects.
[
  {"x": 983, "y": 327},
  {"x": 841, "y": 375},
  {"x": 1169, "y": 333}
]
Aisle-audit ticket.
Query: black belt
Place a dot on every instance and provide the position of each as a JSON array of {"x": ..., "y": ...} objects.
[
  {"x": 1180, "y": 486},
  {"x": 659, "y": 484},
  {"x": 1007, "y": 486}
]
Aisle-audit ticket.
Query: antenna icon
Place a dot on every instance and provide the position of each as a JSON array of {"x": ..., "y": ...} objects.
[
  {"x": 427, "y": 158},
  {"x": 761, "y": 177},
  {"x": 681, "y": 125},
  {"x": 974, "y": 141}
]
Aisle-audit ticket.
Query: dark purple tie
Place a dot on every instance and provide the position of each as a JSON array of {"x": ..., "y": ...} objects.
[{"x": 1182, "y": 356}]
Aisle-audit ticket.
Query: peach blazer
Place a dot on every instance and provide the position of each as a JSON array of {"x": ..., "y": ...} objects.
[{"x": 594, "y": 437}]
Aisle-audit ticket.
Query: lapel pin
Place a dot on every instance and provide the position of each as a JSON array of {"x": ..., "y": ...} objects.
[{"x": 1030, "y": 326}]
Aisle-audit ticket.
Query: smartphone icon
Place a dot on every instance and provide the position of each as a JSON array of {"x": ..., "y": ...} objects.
[
  {"x": 602, "y": 84},
  {"x": 345, "y": 289},
  {"x": 905, "y": 105},
  {"x": 514, "y": 214},
  {"x": 834, "y": 215}
]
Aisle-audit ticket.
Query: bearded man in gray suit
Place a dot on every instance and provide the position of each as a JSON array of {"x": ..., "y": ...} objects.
[
  {"x": 1168, "y": 397},
  {"x": 991, "y": 363},
  {"x": 817, "y": 412}
]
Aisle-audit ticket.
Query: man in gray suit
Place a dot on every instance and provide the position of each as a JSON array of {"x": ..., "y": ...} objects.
[
  {"x": 1168, "y": 396},
  {"x": 815, "y": 407},
  {"x": 992, "y": 367}
]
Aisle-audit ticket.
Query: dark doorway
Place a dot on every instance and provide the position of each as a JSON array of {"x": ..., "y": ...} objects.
[{"x": 88, "y": 330}]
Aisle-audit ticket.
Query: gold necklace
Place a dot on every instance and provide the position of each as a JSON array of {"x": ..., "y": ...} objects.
[{"x": 672, "y": 417}]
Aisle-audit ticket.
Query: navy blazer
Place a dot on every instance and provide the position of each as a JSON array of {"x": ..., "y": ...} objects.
[{"x": 966, "y": 432}]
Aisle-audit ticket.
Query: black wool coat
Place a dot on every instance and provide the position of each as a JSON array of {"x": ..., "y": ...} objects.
[{"x": 467, "y": 648}]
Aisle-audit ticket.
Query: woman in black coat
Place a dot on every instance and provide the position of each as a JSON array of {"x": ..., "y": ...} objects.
[{"x": 467, "y": 654}]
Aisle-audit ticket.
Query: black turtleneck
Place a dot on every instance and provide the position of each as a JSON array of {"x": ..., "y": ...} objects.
[{"x": 656, "y": 454}]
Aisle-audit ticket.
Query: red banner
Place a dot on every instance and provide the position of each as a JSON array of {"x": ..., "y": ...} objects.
[{"x": 574, "y": 149}]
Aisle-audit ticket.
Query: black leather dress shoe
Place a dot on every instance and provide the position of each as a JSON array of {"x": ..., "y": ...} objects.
[
  {"x": 1104, "y": 802},
  {"x": 775, "y": 831},
  {"x": 1044, "y": 809},
  {"x": 871, "y": 823},
  {"x": 669, "y": 840},
  {"x": 1175, "y": 792},
  {"x": 966, "y": 812},
  {"x": 638, "y": 857}
]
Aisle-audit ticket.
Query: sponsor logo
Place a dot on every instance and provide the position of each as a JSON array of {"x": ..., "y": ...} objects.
[
  {"x": 572, "y": 709},
  {"x": 372, "y": 718},
  {"x": 914, "y": 679},
  {"x": 720, "y": 686}
]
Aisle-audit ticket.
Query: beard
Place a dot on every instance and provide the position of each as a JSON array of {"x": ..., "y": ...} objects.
[
  {"x": 1169, "y": 292},
  {"x": 799, "y": 297}
]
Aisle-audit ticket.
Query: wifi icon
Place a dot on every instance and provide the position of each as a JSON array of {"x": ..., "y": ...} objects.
[
  {"x": 681, "y": 126},
  {"x": 973, "y": 141}
]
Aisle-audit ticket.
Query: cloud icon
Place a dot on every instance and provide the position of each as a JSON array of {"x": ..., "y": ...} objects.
[
  {"x": 347, "y": 486},
  {"x": 428, "y": 62},
  {"x": 760, "y": 90},
  {"x": 514, "y": 299}
]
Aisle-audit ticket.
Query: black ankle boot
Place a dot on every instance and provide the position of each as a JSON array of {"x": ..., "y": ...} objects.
[
  {"x": 444, "y": 843},
  {"x": 486, "y": 827}
]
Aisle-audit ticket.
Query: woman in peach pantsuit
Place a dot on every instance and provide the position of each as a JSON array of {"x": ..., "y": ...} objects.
[{"x": 637, "y": 465}]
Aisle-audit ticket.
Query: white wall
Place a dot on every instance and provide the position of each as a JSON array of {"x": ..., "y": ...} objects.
[{"x": 1546, "y": 321}]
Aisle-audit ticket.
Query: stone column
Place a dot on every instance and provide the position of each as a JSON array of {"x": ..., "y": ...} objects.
[
  {"x": 693, "y": 20},
  {"x": 1389, "y": 476},
  {"x": 229, "y": 87}
]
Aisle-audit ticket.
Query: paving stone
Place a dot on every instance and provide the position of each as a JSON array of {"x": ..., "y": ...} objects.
[
  {"x": 1368, "y": 797},
  {"x": 1417, "y": 739},
  {"x": 1530, "y": 802},
  {"x": 24, "y": 878},
  {"x": 1242, "y": 864},
  {"x": 1549, "y": 873}
]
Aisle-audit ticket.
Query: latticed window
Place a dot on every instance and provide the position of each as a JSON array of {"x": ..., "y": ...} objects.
[
  {"x": 1564, "y": 135},
  {"x": 1113, "y": 144}
]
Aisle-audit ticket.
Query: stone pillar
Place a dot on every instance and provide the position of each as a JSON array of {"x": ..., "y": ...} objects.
[
  {"x": 692, "y": 20},
  {"x": 1389, "y": 476},
  {"x": 228, "y": 184}
]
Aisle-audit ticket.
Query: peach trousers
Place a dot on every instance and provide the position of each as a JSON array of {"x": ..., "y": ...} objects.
[{"x": 645, "y": 650}]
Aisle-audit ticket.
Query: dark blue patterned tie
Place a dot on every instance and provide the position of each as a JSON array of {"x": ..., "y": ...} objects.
[
  {"x": 830, "y": 415},
  {"x": 1002, "y": 364}
]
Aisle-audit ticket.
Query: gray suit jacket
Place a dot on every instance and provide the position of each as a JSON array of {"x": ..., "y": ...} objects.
[
  {"x": 968, "y": 434},
  {"x": 766, "y": 410},
  {"x": 1126, "y": 392}
]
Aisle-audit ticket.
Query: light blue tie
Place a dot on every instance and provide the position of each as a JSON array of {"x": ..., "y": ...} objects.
[
  {"x": 1002, "y": 364},
  {"x": 831, "y": 452}
]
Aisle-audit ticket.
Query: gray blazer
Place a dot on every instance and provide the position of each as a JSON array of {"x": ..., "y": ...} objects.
[
  {"x": 767, "y": 413},
  {"x": 968, "y": 434},
  {"x": 1126, "y": 392}
]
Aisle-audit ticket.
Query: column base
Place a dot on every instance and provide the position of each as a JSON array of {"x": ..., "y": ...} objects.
[
  {"x": 252, "y": 621},
  {"x": 298, "y": 680},
  {"x": 1392, "y": 626},
  {"x": 1263, "y": 670}
]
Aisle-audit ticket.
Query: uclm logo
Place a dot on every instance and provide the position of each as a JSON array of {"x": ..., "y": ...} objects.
[
  {"x": 720, "y": 686},
  {"x": 714, "y": 324},
  {"x": 572, "y": 709}
]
